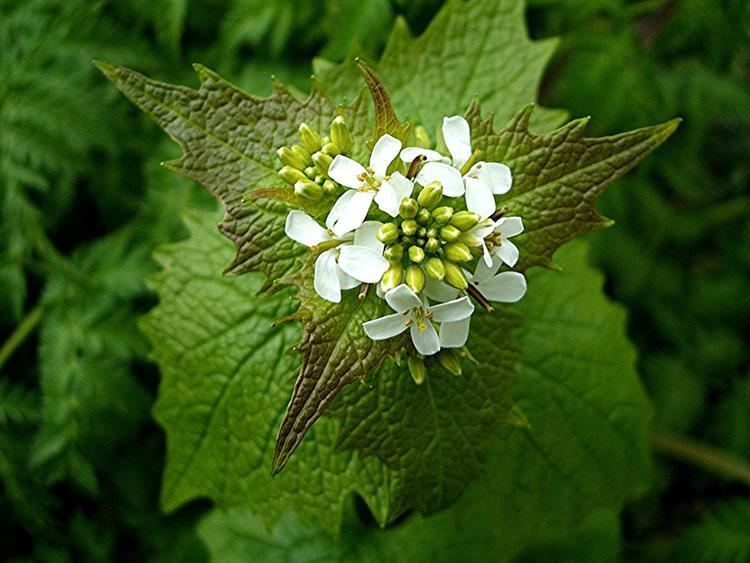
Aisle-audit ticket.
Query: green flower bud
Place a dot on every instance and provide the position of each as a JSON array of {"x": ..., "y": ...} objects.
[
  {"x": 421, "y": 241},
  {"x": 416, "y": 254},
  {"x": 322, "y": 161},
  {"x": 392, "y": 276},
  {"x": 310, "y": 138},
  {"x": 432, "y": 245},
  {"x": 311, "y": 172},
  {"x": 442, "y": 215},
  {"x": 449, "y": 233},
  {"x": 302, "y": 153},
  {"x": 432, "y": 232},
  {"x": 422, "y": 138},
  {"x": 435, "y": 268},
  {"x": 409, "y": 227},
  {"x": 340, "y": 134},
  {"x": 415, "y": 278},
  {"x": 329, "y": 187},
  {"x": 457, "y": 252},
  {"x": 450, "y": 361},
  {"x": 408, "y": 208},
  {"x": 422, "y": 232},
  {"x": 332, "y": 149},
  {"x": 455, "y": 276},
  {"x": 319, "y": 178},
  {"x": 308, "y": 189},
  {"x": 290, "y": 158},
  {"x": 470, "y": 240},
  {"x": 387, "y": 233},
  {"x": 423, "y": 217},
  {"x": 417, "y": 369},
  {"x": 465, "y": 220},
  {"x": 291, "y": 175},
  {"x": 394, "y": 253},
  {"x": 430, "y": 195}
]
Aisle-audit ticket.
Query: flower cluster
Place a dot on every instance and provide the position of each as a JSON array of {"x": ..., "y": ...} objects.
[{"x": 422, "y": 226}]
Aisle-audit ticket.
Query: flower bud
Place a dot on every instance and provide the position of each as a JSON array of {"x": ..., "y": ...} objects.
[
  {"x": 387, "y": 233},
  {"x": 311, "y": 172},
  {"x": 449, "y": 233},
  {"x": 394, "y": 253},
  {"x": 340, "y": 134},
  {"x": 302, "y": 153},
  {"x": 290, "y": 158},
  {"x": 470, "y": 240},
  {"x": 308, "y": 189},
  {"x": 392, "y": 276},
  {"x": 331, "y": 149},
  {"x": 432, "y": 232},
  {"x": 465, "y": 220},
  {"x": 415, "y": 278},
  {"x": 455, "y": 276},
  {"x": 450, "y": 361},
  {"x": 329, "y": 187},
  {"x": 310, "y": 138},
  {"x": 422, "y": 138},
  {"x": 430, "y": 195},
  {"x": 457, "y": 252},
  {"x": 409, "y": 227},
  {"x": 322, "y": 161},
  {"x": 291, "y": 175},
  {"x": 432, "y": 245},
  {"x": 422, "y": 232},
  {"x": 408, "y": 208},
  {"x": 435, "y": 268},
  {"x": 416, "y": 254},
  {"x": 442, "y": 215},
  {"x": 417, "y": 369},
  {"x": 423, "y": 217}
]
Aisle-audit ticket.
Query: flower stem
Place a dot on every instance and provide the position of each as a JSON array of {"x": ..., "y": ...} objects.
[
  {"x": 19, "y": 335},
  {"x": 703, "y": 456}
]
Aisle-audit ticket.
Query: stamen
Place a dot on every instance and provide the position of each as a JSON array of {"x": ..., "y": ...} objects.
[
  {"x": 363, "y": 291},
  {"x": 475, "y": 294},
  {"x": 469, "y": 163},
  {"x": 414, "y": 166},
  {"x": 499, "y": 213}
]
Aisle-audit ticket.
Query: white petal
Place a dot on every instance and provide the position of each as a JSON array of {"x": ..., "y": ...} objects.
[
  {"x": 385, "y": 327},
  {"x": 383, "y": 153},
  {"x": 304, "y": 229},
  {"x": 401, "y": 298},
  {"x": 346, "y": 171},
  {"x": 426, "y": 340},
  {"x": 362, "y": 263},
  {"x": 439, "y": 291},
  {"x": 509, "y": 226},
  {"x": 338, "y": 208},
  {"x": 326, "y": 276},
  {"x": 507, "y": 252},
  {"x": 354, "y": 213},
  {"x": 506, "y": 287},
  {"x": 386, "y": 199},
  {"x": 482, "y": 229},
  {"x": 455, "y": 334},
  {"x": 497, "y": 176},
  {"x": 410, "y": 153},
  {"x": 484, "y": 272},
  {"x": 479, "y": 198},
  {"x": 486, "y": 255},
  {"x": 367, "y": 235},
  {"x": 346, "y": 281},
  {"x": 402, "y": 186},
  {"x": 449, "y": 177},
  {"x": 452, "y": 310},
  {"x": 457, "y": 138}
]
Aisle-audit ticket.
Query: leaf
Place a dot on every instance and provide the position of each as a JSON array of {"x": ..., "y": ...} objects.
[
  {"x": 386, "y": 121},
  {"x": 722, "y": 535}
]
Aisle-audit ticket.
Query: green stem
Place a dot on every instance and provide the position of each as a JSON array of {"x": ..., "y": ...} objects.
[
  {"x": 23, "y": 330},
  {"x": 703, "y": 456}
]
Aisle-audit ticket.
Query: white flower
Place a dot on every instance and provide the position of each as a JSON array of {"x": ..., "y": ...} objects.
[
  {"x": 419, "y": 316},
  {"x": 366, "y": 185},
  {"x": 494, "y": 235},
  {"x": 503, "y": 287},
  {"x": 351, "y": 259},
  {"x": 480, "y": 183}
]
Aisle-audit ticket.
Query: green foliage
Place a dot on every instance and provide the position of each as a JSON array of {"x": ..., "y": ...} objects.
[{"x": 722, "y": 535}]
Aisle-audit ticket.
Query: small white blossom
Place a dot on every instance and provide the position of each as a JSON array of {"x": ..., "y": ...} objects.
[
  {"x": 352, "y": 259},
  {"x": 503, "y": 287},
  {"x": 366, "y": 185},
  {"x": 494, "y": 235},
  {"x": 418, "y": 316}
]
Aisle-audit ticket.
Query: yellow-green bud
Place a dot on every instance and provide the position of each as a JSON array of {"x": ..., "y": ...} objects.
[
  {"x": 417, "y": 369},
  {"x": 308, "y": 189},
  {"x": 432, "y": 245},
  {"x": 332, "y": 149},
  {"x": 455, "y": 276},
  {"x": 322, "y": 161},
  {"x": 442, "y": 215},
  {"x": 392, "y": 277},
  {"x": 340, "y": 134},
  {"x": 311, "y": 172},
  {"x": 290, "y": 158},
  {"x": 387, "y": 233},
  {"x": 303, "y": 153},
  {"x": 422, "y": 232},
  {"x": 470, "y": 240},
  {"x": 408, "y": 208},
  {"x": 415, "y": 278},
  {"x": 430, "y": 195},
  {"x": 435, "y": 268},
  {"x": 431, "y": 232},
  {"x": 423, "y": 217},
  {"x": 450, "y": 361},
  {"x": 394, "y": 253},
  {"x": 449, "y": 233},
  {"x": 457, "y": 252},
  {"x": 416, "y": 254},
  {"x": 409, "y": 227},
  {"x": 465, "y": 220},
  {"x": 310, "y": 138},
  {"x": 422, "y": 138},
  {"x": 291, "y": 175},
  {"x": 329, "y": 187}
]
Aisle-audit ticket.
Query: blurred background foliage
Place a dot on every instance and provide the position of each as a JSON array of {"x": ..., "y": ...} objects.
[{"x": 83, "y": 203}]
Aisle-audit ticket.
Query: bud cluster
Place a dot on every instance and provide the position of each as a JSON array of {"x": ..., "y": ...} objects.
[
  {"x": 427, "y": 239},
  {"x": 305, "y": 165}
]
